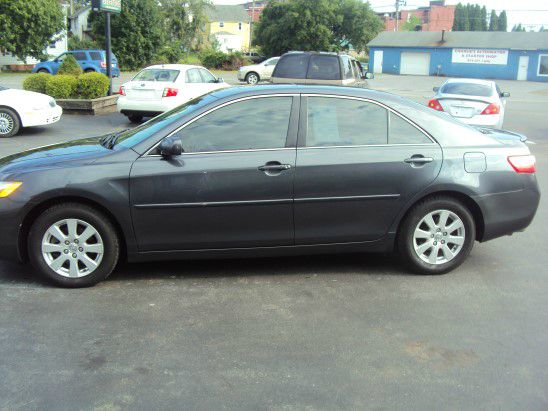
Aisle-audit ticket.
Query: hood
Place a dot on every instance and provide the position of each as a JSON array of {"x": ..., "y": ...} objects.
[
  {"x": 11, "y": 93},
  {"x": 503, "y": 136},
  {"x": 87, "y": 150}
]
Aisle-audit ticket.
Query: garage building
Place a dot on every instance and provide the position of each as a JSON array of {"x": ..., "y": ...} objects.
[{"x": 491, "y": 55}]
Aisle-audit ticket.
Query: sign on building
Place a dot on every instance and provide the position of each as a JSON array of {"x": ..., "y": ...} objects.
[
  {"x": 113, "y": 6},
  {"x": 480, "y": 56}
]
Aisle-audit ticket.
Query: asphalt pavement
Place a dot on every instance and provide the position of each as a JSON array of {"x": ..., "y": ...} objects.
[{"x": 347, "y": 332}]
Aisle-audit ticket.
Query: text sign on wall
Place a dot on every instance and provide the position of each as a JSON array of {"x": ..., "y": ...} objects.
[
  {"x": 480, "y": 56},
  {"x": 114, "y": 6}
]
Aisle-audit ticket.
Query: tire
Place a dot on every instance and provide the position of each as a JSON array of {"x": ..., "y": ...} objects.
[
  {"x": 9, "y": 122},
  {"x": 452, "y": 241},
  {"x": 135, "y": 118},
  {"x": 252, "y": 78},
  {"x": 69, "y": 275},
  {"x": 43, "y": 71}
]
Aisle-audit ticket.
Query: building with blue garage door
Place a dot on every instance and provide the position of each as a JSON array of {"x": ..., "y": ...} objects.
[{"x": 477, "y": 54}]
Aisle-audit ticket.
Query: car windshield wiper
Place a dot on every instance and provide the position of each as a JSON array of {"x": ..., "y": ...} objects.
[{"x": 109, "y": 141}]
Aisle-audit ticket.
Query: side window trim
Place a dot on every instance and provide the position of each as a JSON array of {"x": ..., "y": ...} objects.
[
  {"x": 291, "y": 136},
  {"x": 303, "y": 123}
]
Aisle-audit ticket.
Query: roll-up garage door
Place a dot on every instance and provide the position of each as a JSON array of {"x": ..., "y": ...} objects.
[{"x": 415, "y": 63}]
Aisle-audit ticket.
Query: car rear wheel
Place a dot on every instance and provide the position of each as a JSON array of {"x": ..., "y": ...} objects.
[
  {"x": 135, "y": 118},
  {"x": 89, "y": 70},
  {"x": 73, "y": 245},
  {"x": 252, "y": 78},
  {"x": 43, "y": 71},
  {"x": 9, "y": 122},
  {"x": 436, "y": 236}
]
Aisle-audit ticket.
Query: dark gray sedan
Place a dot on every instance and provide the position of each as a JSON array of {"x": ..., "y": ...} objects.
[{"x": 269, "y": 170}]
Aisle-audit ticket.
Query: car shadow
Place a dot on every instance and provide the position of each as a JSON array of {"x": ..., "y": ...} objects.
[{"x": 340, "y": 264}]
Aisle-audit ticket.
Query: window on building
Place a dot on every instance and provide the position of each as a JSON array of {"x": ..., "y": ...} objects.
[
  {"x": 246, "y": 125},
  {"x": 543, "y": 65},
  {"x": 345, "y": 122},
  {"x": 221, "y": 24},
  {"x": 239, "y": 25}
]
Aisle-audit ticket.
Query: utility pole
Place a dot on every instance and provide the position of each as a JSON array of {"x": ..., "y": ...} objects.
[
  {"x": 398, "y": 3},
  {"x": 251, "y": 25}
]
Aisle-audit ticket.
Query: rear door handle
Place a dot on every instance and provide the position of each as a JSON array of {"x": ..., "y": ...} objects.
[{"x": 418, "y": 160}]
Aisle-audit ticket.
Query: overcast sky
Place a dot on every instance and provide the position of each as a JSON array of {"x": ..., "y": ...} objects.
[{"x": 529, "y": 12}]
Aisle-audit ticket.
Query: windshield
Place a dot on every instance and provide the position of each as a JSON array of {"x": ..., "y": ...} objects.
[
  {"x": 3, "y": 88},
  {"x": 157, "y": 75},
  {"x": 467, "y": 89},
  {"x": 134, "y": 136}
]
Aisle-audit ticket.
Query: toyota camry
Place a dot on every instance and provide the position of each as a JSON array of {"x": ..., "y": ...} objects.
[{"x": 267, "y": 171}]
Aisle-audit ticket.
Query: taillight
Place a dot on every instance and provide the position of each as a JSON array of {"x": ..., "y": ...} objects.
[
  {"x": 103, "y": 64},
  {"x": 435, "y": 104},
  {"x": 122, "y": 92},
  {"x": 523, "y": 164},
  {"x": 170, "y": 92},
  {"x": 491, "y": 109}
]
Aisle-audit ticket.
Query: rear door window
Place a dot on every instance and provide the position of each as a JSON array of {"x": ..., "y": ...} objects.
[
  {"x": 292, "y": 66},
  {"x": 323, "y": 67},
  {"x": 345, "y": 122},
  {"x": 193, "y": 76},
  {"x": 207, "y": 77},
  {"x": 347, "y": 66}
]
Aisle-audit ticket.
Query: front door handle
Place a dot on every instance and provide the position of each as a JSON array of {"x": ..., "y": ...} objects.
[
  {"x": 275, "y": 167},
  {"x": 418, "y": 159}
]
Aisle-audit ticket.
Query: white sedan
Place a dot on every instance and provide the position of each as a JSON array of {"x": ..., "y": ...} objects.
[
  {"x": 159, "y": 88},
  {"x": 471, "y": 101},
  {"x": 258, "y": 72},
  {"x": 21, "y": 108}
]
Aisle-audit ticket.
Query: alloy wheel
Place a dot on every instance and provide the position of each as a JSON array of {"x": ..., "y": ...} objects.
[
  {"x": 252, "y": 79},
  {"x": 6, "y": 123},
  {"x": 439, "y": 237},
  {"x": 72, "y": 248}
]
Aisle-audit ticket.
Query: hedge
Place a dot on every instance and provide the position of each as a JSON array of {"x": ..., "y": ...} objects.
[
  {"x": 211, "y": 58},
  {"x": 70, "y": 66},
  {"x": 61, "y": 86},
  {"x": 36, "y": 82},
  {"x": 92, "y": 85}
]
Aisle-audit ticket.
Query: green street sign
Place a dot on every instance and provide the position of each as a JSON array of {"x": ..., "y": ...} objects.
[{"x": 113, "y": 6}]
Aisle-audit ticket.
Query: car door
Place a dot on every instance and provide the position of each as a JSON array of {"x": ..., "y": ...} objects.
[
  {"x": 358, "y": 163},
  {"x": 231, "y": 188},
  {"x": 194, "y": 84}
]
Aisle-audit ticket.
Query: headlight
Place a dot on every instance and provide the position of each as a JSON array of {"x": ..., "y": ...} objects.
[{"x": 6, "y": 188}]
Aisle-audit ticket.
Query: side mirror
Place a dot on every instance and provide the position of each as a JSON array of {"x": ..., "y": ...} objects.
[
  {"x": 368, "y": 76},
  {"x": 220, "y": 80},
  {"x": 436, "y": 89},
  {"x": 171, "y": 147},
  {"x": 505, "y": 94}
]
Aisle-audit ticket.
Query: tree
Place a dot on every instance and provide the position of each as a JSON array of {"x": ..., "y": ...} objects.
[
  {"x": 326, "y": 25},
  {"x": 483, "y": 18},
  {"x": 457, "y": 21},
  {"x": 493, "y": 21},
  {"x": 28, "y": 26},
  {"x": 503, "y": 22},
  {"x": 518, "y": 27},
  {"x": 137, "y": 32},
  {"x": 466, "y": 18},
  {"x": 411, "y": 24},
  {"x": 475, "y": 18}
]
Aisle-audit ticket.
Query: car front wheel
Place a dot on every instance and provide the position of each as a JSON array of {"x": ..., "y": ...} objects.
[
  {"x": 252, "y": 78},
  {"x": 9, "y": 122},
  {"x": 436, "y": 236},
  {"x": 73, "y": 245}
]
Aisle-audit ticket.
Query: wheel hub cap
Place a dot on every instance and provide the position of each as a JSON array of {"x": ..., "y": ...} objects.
[
  {"x": 6, "y": 123},
  {"x": 439, "y": 237},
  {"x": 72, "y": 248}
]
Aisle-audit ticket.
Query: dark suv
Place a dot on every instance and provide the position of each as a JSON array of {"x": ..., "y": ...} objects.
[{"x": 305, "y": 67}]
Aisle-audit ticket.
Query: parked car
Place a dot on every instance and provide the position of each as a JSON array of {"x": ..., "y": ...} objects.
[
  {"x": 257, "y": 72},
  {"x": 89, "y": 60},
  {"x": 319, "y": 68},
  {"x": 254, "y": 57},
  {"x": 474, "y": 102},
  {"x": 234, "y": 173},
  {"x": 159, "y": 88},
  {"x": 21, "y": 108}
]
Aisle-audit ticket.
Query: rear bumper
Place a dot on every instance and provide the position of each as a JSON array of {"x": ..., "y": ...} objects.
[
  {"x": 507, "y": 213},
  {"x": 125, "y": 104},
  {"x": 493, "y": 120}
]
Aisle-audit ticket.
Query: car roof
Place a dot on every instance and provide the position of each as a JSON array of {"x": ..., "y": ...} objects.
[
  {"x": 173, "y": 66},
  {"x": 471, "y": 81}
]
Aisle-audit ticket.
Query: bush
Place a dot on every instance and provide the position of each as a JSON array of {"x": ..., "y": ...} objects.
[
  {"x": 211, "y": 58},
  {"x": 191, "y": 59},
  {"x": 61, "y": 86},
  {"x": 74, "y": 43},
  {"x": 36, "y": 82},
  {"x": 92, "y": 85},
  {"x": 70, "y": 66}
]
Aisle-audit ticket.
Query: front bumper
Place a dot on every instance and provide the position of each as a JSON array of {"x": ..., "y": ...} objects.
[{"x": 42, "y": 117}]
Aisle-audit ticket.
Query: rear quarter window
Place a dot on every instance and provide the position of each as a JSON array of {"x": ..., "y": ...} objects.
[{"x": 292, "y": 66}]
